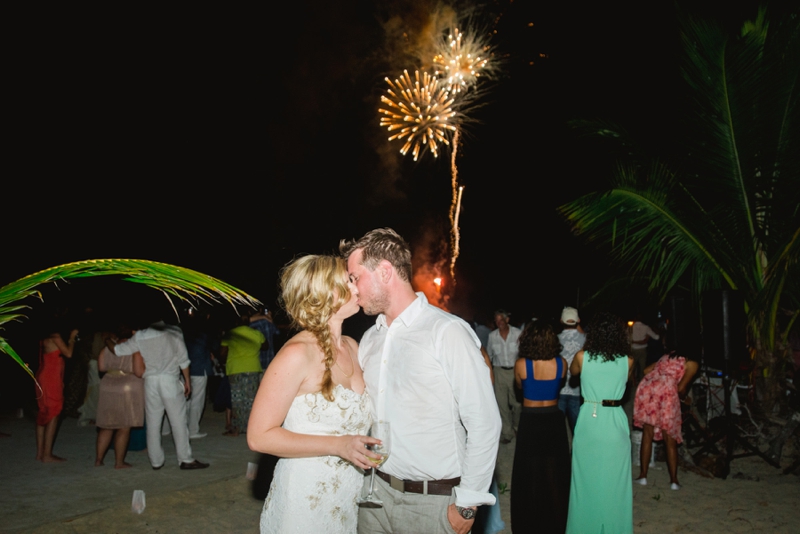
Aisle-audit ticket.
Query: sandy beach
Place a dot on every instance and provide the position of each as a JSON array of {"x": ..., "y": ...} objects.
[{"x": 76, "y": 497}]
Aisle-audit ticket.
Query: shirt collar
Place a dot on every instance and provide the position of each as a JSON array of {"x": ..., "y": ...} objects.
[{"x": 409, "y": 315}]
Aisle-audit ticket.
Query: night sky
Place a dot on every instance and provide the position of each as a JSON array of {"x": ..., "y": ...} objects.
[{"x": 229, "y": 141}]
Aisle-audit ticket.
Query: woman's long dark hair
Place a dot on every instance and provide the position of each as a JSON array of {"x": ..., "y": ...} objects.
[
  {"x": 539, "y": 342},
  {"x": 607, "y": 338}
]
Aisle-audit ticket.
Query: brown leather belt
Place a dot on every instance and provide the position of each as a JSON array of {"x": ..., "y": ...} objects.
[{"x": 435, "y": 487}]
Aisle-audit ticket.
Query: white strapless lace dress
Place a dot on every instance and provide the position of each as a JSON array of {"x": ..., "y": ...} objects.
[{"x": 318, "y": 494}]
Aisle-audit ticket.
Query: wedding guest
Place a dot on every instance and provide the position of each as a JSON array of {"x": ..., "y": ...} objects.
[
  {"x": 657, "y": 409},
  {"x": 600, "y": 494},
  {"x": 50, "y": 378},
  {"x": 240, "y": 350},
  {"x": 121, "y": 403},
  {"x": 541, "y": 473}
]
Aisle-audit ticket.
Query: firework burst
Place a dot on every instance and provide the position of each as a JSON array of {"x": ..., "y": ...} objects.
[
  {"x": 432, "y": 109},
  {"x": 461, "y": 59},
  {"x": 419, "y": 112}
]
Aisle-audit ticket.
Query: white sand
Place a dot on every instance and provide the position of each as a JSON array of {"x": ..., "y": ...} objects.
[{"x": 77, "y": 497}]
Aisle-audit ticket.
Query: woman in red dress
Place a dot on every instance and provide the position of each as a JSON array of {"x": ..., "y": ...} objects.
[
  {"x": 50, "y": 377},
  {"x": 657, "y": 408}
]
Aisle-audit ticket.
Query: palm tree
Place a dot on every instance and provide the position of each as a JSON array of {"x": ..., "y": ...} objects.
[
  {"x": 725, "y": 215},
  {"x": 171, "y": 280}
]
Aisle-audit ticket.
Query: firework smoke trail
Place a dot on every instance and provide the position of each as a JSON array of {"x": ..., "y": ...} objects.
[
  {"x": 456, "y": 235},
  {"x": 455, "y": 208},
  {"x": 460, "y": 60},
  {"x": 421, "y": 111}
]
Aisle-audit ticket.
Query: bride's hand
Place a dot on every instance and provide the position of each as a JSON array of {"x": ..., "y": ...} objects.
[{"x": 354, "y": 450}]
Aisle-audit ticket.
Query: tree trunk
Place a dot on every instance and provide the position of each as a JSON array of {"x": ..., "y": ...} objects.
[{"x": 771, "y": 378}]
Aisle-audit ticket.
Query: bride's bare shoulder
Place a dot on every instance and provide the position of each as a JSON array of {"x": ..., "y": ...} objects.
[
  {"x": 302, "y": 347},
  {"x": 351, "y": 343}
]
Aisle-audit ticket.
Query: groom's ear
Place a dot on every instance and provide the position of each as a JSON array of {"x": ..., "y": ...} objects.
[{"x": 384, "y": 271}]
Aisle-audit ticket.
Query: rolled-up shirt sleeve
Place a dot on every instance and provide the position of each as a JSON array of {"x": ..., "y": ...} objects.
[
  {"x": 126, "y": 348},
  {"x": 182, "y": 353},
  {"x": 471, "y": 383}
]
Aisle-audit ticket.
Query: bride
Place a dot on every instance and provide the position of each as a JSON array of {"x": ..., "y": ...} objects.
[{"x": 311, "y": 408}]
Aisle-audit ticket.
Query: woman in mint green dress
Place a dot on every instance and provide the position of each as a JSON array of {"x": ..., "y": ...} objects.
[{"x": 601, "y": 495}]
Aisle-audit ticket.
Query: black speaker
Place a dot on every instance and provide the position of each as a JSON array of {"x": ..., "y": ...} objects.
[{"x": 724, "y": 330}]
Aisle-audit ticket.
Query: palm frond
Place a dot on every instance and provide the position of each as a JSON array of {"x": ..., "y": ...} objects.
[
  {"x": 722, "y": 72},
  {"x": 780, "y": 291},
  {"x": 744, "y": 132},
  {"x": 642, "y": 222},
  {"x": 778, "y": 193},
  {"x": 180, "y": 282},
  {"x": 6, "y": 348},
  {"x": 733, "y": 217}
]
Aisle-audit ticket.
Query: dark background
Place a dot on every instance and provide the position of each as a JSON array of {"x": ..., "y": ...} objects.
[{"x": 230, "y": 140}]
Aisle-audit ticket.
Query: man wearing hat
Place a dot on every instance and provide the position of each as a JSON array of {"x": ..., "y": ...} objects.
[{"x": 571, "y": 338}]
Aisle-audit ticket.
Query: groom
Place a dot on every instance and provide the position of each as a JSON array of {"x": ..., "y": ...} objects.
[{"x": 426, "y": 376}]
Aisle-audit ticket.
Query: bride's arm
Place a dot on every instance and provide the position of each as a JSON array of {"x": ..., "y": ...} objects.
[{"x": 286, "y": 378}]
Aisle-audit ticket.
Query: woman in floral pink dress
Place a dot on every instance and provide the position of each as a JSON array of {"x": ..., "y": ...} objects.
[{"x": 657, "y": 408}]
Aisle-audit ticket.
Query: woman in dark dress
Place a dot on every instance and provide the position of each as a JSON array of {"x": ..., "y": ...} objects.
[{"x": 541, "y": 474}]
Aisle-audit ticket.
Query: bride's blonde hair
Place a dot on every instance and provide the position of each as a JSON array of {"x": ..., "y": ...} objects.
[{"x": 313, "y": 288}]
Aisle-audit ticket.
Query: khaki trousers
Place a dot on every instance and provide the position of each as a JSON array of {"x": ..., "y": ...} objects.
[
  {"x": 506, "y": 401},
  {"x": 404, "y": 513}
]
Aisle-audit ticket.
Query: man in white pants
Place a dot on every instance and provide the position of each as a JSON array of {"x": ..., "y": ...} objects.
[{"x": 165, "y": 357}]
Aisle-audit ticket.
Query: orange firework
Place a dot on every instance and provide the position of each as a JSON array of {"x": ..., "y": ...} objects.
[{"x": 420, "y": 112}]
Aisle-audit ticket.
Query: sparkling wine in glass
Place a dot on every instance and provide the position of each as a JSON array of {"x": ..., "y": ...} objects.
[{"x": 381, "y": 431}]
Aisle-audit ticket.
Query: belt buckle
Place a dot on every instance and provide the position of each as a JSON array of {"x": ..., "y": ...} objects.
[{"x": 397, "y": 484}]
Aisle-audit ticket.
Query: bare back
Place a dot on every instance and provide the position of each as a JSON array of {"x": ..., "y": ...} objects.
[{"x": 55, "y": 342}]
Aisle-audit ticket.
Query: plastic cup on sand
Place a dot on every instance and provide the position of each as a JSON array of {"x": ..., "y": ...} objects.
[
  {"x": 252, "y": 471},
  {"x": 138, "y": 504}
]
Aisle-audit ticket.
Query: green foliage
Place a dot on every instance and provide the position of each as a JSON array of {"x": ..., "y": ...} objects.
[
  {"x": 172, "y": 280},
  {"x": 730, "y": 216}
]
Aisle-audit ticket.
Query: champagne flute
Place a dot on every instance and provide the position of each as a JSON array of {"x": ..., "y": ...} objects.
[{"x": 381, "y": 431}]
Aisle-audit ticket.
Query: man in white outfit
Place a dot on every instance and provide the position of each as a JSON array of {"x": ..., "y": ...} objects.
[
  {"x": 503, "y": 348},
  {"x": 426, "y": 376},
  {"x": 165, "y": 359}
]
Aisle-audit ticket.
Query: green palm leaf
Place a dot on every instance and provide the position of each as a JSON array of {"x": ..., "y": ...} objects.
[
  {"x": 781, "y": 290},
  {"x": 182, "y": 283},
  {"x": 642, "y": 220},
  {"x": 732, "y": 216}
]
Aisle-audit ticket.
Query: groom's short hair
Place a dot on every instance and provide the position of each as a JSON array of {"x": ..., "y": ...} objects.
[{"x": 381, "y": 244}]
